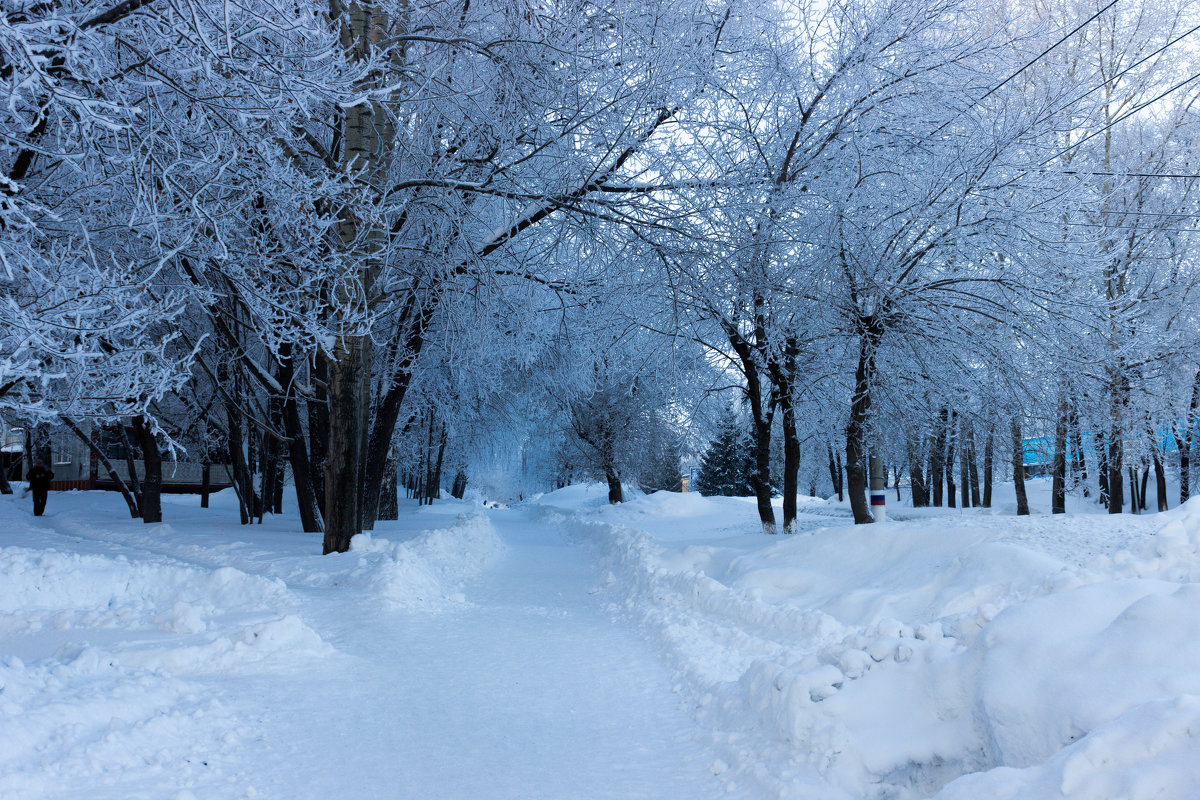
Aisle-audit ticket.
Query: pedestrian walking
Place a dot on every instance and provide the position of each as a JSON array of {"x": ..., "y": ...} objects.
[{"x": 39, "y": 483}]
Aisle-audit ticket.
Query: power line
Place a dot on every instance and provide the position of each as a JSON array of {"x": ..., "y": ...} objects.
[
  {"x": 1090, "y": 173},
  {"x": 1133, "y": 66},
  {"x": 1146, "y": 229},
  {"x": 1031, "y": 62},
  {"x": 1123, "y": 117}
]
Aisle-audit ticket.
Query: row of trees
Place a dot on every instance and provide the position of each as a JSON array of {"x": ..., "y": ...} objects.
[{"x": 390, "y": 241}]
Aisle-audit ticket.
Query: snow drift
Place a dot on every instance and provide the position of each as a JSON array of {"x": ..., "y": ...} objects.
[{"x": 939, "y": 655}]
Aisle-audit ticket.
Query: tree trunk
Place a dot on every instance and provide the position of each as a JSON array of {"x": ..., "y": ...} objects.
[
  {"x": 835, "y": 472},
  {"x": 1142, "y": 489},
  {"x": 389, "y": 507},
  {"x": 1116, "y": 481},
  {"x": 1185, "y": 469},
  {"x": 761, "y": 412},
  {"x": 387, "y": 411},
  {"x": 273, "y": 487},
  {"x": 427, "y": 479},
  {"x": 973, "y": 466},
  {"x": 134, "y": 511},
  {"x": 1058, "y": 490},
  {"x": 1160, "y": 482},
  {"x": 152, "y": 471},
  {"x": 135, "y": 484},
  {"x": 920, "y": 493},
  {"x": 615, "y": 493},
  {"x": 791, "y": 461},
  {"x": 783, "y": 374},
  {"x": 988, "y": 455},
  {"x": 302, "y": 470},
  {"x": 1116, "y": 449},
  {"x": 1078, "y": 461},
  {"x": 1018, "y": 466},
  {"x": 239, "y": 472},
  {"x": 1102, "y": 467},
  {"x": 950, "y": 437},
  {"x": 964, "y": 464},
  {"x": 318, "y": 434},
  {"x": 343, "y": 473},
  {"x": 937, "y": 460},
  {"x": 253, "y": 467},
  {"x": 460, "y": 485},
  {"x": 437, "y": 469},
  {"x": 205, "y": 483},
  {"x": 1135, "y": 503},
  {"x": 1187, "y": 443},
  {"x": 267, "y": 470},
  {"x": 871, "y": 331},
  {"x": 28, "y": 459},
  {"x": 762, "y": 472},
  {"x": 368, "y": 139}
]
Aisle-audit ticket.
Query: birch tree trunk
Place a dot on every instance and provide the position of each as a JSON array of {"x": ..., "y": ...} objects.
[{"x": 368, "y": 136}]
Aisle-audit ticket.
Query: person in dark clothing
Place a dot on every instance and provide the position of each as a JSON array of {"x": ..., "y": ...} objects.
[{"x": 39, "y": 483}]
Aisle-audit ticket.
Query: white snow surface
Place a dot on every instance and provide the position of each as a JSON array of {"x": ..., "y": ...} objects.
[{"x": 564, "y": 648}]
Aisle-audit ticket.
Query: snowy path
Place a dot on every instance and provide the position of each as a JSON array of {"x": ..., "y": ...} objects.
[
  {"x": 522, "y": 686},
  {"x": 471, "y": 653},
  {"x": 530, "y": 691}
]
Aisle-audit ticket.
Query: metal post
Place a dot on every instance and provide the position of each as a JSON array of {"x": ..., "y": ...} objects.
[{"x": 878, "y": 488}]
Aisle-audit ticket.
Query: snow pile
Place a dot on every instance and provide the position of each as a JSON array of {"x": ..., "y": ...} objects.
[
  {"x": 936, "y": 655},
  {"x": 84, "y": 718},
  {"x": 428, "y": 571},
  {"x": 234, "y": 617},
  {"x": 118, "y": 640},
  {"x": 101, "y": 657}
]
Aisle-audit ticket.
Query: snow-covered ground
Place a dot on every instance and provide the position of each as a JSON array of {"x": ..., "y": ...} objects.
[{"x": 567, "y": 649}]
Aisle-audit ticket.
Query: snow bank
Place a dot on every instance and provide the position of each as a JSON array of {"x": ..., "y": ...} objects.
[
  {"x": 113, "y": 635},
  {"x": 912, "y": 658},
  {"x": 65, "y": 590},
  {"x": 100, "y": 661},
  {"x": 426, "y": 572}
]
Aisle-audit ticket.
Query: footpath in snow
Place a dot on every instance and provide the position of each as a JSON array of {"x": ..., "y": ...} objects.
[
  {"x": 567, "y": 649},
  {"x": 462, "y": 656}
]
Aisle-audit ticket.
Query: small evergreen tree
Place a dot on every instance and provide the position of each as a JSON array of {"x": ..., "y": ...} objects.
[{"x": 728, "y": 463}]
